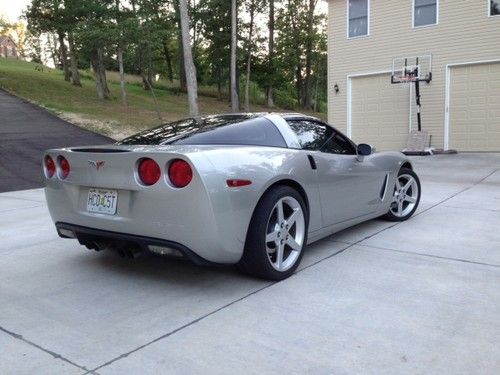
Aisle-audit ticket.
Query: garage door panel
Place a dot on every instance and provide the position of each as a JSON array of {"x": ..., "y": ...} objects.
[
  {"x": 379, "y": 112},
  {"x": 475, "y": 112}
]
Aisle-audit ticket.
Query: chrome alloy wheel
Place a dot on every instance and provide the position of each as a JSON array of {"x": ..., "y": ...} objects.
[
  {"x": 285, "y": 233},
  {"x": 405, "y": 195}
]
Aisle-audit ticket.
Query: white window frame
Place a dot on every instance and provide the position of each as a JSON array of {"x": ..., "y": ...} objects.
[
  {"x": 367, "y": 22},
  {"x": 413, "y": 16},
  {"x": 489, "y": 10}
]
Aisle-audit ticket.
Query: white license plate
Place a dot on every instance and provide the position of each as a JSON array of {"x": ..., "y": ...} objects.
[{"x": 102, "y": 201}]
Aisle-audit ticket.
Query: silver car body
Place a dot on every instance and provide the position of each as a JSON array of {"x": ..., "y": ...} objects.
[{"x": 208, "y": 217}]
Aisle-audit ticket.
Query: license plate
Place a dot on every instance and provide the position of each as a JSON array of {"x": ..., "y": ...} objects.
[{"x": 102, "y": 201}]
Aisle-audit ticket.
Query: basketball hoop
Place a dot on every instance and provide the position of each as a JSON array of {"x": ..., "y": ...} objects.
[
  {"x": 404, "y": 79},
  {"x": 407, "y": 70}
]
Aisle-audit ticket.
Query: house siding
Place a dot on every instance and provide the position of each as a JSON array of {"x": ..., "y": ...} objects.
[{"x": 465, "y": 33}]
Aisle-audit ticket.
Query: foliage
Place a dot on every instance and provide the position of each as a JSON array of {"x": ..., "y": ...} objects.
[{"x": 147, "y": 31}]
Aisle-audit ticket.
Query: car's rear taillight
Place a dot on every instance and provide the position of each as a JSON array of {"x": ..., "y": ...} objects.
[
  {"x": 149, "y": 171},
  {"x": 64, "y": 165},
  {"x": 50, "y": 166},
  {"x": 180, "y": 173}
]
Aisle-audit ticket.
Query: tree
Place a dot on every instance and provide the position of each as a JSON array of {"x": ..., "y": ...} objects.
[
  {"x": 269, "y": 93},
  {"x": 235, "y": 100},
  {"x": 192, "y": 84}
]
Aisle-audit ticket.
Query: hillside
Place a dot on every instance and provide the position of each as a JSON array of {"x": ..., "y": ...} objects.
[{"x": 46, "y": 87}]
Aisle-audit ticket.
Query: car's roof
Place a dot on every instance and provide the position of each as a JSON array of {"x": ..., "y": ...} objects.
[{"x": 243, "y": 115}]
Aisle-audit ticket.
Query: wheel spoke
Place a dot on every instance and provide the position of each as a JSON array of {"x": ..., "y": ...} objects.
[
  {"x": 279, "y": 255},
  {"x": 410, "y": 199},
  {"x": 408, "y": 184},
  {"x": 398, "y": 184},
  {"x": 293, "y": 244},
  {"x": 272, "y": 237},
  {"x": 400, "y": 208},
  {"x": 293, "y": 218},
  {"x": 281, "y": 215}
]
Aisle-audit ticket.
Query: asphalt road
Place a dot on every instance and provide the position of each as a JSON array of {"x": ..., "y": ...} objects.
[
  {"x": 417, "y": 297},
  {"x": 26, "y": 131}
]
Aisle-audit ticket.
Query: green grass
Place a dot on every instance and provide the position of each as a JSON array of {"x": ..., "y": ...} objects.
[{"x": 47, "y": 88}]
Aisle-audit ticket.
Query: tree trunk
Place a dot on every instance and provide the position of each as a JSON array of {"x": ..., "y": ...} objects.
[
  {"x": 52, "y": 43},
  {"x": 102, "y": 72},
  {"x": 64, "y": 56},
  {"x": 75, "y": 74},
  {"x": 306, "y": 99},
  {"x": 122, "y": 77},
  {"x": 235, "y": 99},
  {"x": 269, "y": 92},
  {"x": 182, "y": 68},
  {"x": 96, "y": 59},
  {"x": 192, "y": 84},
  {"x": 249, "y": 57},
  {"x": 168, "y": 60}
]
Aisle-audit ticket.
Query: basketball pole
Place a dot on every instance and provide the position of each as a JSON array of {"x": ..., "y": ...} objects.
[{"x": 417, "y": 96}]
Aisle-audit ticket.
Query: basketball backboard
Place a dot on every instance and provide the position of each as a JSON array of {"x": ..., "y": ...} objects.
[{"x": 411, "y": 69}]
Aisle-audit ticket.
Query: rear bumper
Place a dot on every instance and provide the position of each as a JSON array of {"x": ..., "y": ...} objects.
[{"x": 84, "y": 234}]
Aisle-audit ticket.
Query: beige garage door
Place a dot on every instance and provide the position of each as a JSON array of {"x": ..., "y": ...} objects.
[
  {"x": 380, "y": 112},
  {"x": 474, "y": 123}
]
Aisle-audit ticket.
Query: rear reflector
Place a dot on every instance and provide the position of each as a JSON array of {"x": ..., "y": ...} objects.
[
  {"x": 50, "y": 166},
  {"x": 149, "y": 171},
  {"x": 238, "y": 183},
  {"x": 64, "y": 164},
  {"x": 180, "y": 173}
]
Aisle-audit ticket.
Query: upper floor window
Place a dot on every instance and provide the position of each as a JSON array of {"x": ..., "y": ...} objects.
[
  {"x": 425, "y": 12},
  {"x": 494, "y": 7},
  {"x": 358, "y": 18}
]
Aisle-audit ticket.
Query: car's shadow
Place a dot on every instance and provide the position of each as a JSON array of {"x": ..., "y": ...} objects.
[{"x": 156, "y": 268}]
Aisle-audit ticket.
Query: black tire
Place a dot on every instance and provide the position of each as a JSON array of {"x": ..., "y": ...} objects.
[
  {"x": 390, "y": 215},
  {"x": 256, "y": 260}
]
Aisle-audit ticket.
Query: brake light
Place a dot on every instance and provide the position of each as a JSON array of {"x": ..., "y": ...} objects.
[
  {"x": 50, "y": 166},
  {"x": 149, "y": 171},
  {"x": 180, "y": 173},
  {"x": 64, "y": 164}
]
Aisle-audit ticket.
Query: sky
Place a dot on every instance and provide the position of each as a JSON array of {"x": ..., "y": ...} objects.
[{"x": 12, "y": 9}]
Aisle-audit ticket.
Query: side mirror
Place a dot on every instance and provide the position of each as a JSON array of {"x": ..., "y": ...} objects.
[{"x": 364, "y": 150}]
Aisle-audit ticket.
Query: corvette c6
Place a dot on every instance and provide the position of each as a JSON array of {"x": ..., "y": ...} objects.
[{"x": 245, "y": 189}]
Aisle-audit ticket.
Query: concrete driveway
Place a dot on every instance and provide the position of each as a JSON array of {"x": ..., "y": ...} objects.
[{"x": 421, "y": 296}]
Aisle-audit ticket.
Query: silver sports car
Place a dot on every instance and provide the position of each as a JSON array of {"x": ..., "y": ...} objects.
[{"x": 245, "y": 189}]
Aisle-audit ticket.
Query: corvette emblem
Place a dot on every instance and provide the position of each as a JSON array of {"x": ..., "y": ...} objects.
[{"x": 97, "y": 164}]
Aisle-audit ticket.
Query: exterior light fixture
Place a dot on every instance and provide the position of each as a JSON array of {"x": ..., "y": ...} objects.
[{"x": 336, "y": 88}]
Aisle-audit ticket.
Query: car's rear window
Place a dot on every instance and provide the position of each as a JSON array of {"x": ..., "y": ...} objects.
[{"x": 212, "y": 130}]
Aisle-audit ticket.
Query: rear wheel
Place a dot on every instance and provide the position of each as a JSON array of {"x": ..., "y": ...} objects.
[
  {"x": 406, "y": 196},
  {"x": 277, "y": 235}
]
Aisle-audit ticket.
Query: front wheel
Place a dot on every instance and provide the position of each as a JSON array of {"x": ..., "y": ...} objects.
[
  {"x": 406, "y": 196},
  {"x": 277, "y": 235}
]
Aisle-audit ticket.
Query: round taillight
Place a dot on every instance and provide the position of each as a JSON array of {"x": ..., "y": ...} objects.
[
  {"x": 64, "y": 164},
  {"x": 180, "y": 173},
  {"x": 149, "y": 172},
  {"x": 50, "y": 166}
]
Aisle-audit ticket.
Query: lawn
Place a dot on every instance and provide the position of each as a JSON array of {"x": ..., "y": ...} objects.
[{"x": 81, "y": 106}]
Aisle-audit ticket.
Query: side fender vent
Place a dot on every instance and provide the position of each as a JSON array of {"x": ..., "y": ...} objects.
[{"x": 383, "y": 189}]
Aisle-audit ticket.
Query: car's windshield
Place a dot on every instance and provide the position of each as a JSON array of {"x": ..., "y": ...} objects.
[{"x": 241, "y": 129}]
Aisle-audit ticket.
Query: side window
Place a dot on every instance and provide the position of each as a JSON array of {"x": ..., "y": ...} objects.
[
  {"x": 311, "y": 134},
  {"x": 425, "y": 12},
  {"x": 316, "y": 136},
  {"x": 338, "y": 144}
]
